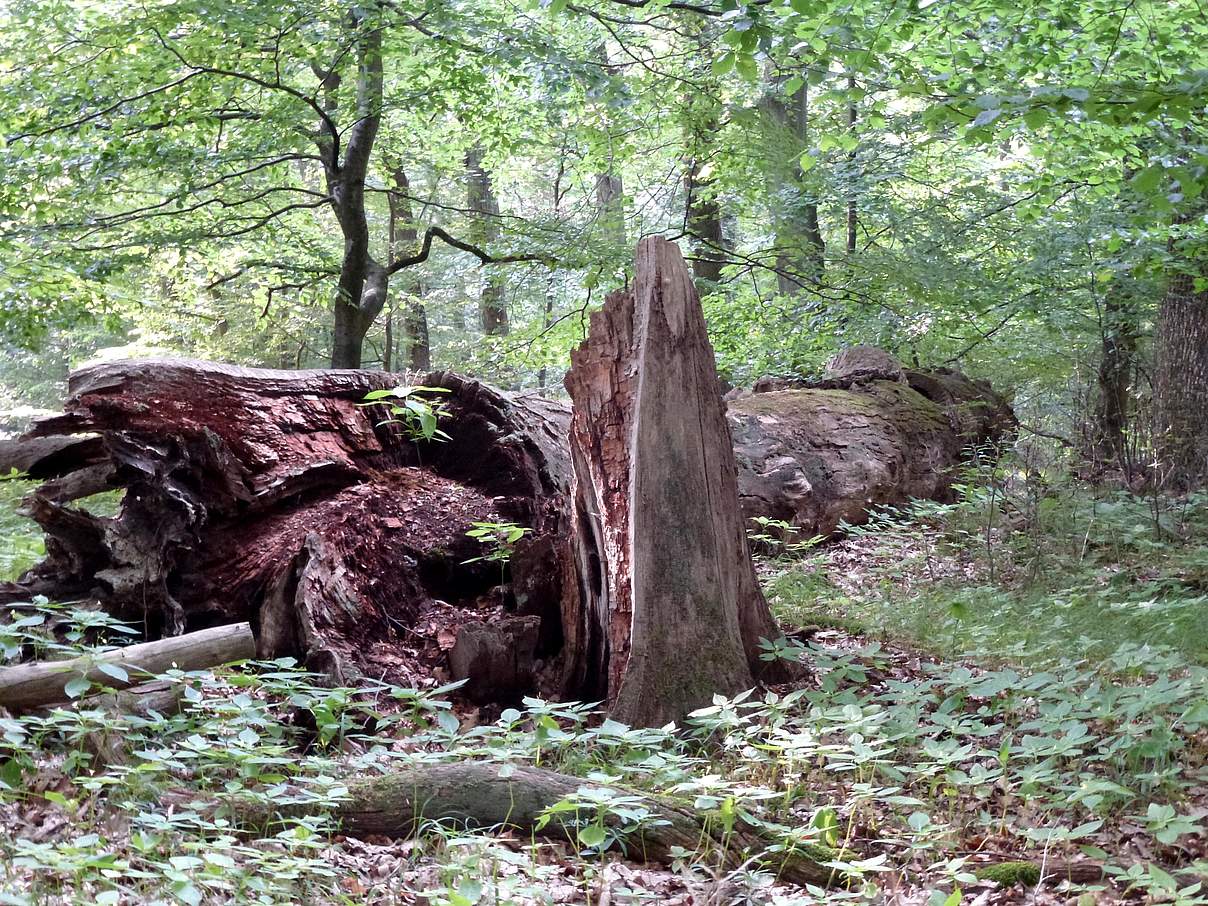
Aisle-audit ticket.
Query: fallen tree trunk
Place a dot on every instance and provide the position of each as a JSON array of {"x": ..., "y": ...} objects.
[
  {"x": 819, "y": 453},
  {"x": 478, "y": 795},
  {"x": 277, "y": 498},
  {"x": 28, "y": 686}
]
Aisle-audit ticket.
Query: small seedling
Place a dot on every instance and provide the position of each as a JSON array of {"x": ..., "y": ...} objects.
[{"x": 408, "y": 407}]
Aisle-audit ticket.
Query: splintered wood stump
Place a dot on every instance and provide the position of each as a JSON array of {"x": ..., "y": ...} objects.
[{"x": 670, "y": 612}]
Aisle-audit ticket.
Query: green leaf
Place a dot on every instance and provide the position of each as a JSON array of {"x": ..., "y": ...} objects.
[
  {"x": 114, "y": 671},
  {"x": 1147, "y": 180},
  {"x": 723, "y": 64},
  {"x": 592, "y": 835},
  {"x": 77, "y": 686},
  {"x": 986, "y": 117}
]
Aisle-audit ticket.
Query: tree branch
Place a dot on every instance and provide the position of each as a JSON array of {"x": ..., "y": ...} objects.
[{"x": 435, "y": 232}]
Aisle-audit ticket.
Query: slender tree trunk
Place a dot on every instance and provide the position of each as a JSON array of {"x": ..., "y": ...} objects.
[
  {"x": 1119, "y": 345},
  {"x": 794, "y": 207},
  {"x": 702, "y": 211},
  {"x": 361, "y": 291},
  {"x": 550, "y": 295},
  {"x": 492, "y": 308},
  {"x": 404, "y": 239},
  {"x": 1181, "y": 385},
  {"x": 852, "y": 216},
  {"x": 610, "y": 190},
  {"x": 419, "y": 348}
]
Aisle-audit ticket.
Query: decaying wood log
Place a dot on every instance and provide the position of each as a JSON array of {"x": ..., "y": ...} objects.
[
  {"x": 276, "y": 497},
  {"x": 819, "y": 453},
  {"x": 482, "y": 795},
  {"x": 28, "y": 686},
  {"x": 670, "y": 611},
  {"x": 497, "y": 659}
]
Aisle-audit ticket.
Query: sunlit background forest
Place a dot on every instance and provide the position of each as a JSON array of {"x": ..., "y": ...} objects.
[{"x": 1013, "y": 675}]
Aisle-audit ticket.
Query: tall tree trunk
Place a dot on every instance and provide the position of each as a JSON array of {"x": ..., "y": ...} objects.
[
  {"x": 404, "y": 240},
  {"x": 1118, "y": 332},
  {"x": 1181, "y": 385},
  {"x": 492, "y": 308},
  {"x": 419, "y": 347},
  {"x": 702, "y": 211},
  {"x": 550, "y": 296},
  {"x": 361, "y": 291},
  {"x": 852, "y": 216},
  {"x": 610, "y": 190},
  {"x": 802, "y": 254}
]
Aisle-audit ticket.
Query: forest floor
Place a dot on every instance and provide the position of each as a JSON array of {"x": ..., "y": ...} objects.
[{"x": 1018, "y": 680}]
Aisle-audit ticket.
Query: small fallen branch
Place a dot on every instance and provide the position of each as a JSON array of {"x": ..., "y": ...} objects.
[
  {"x": 480, "y": 795},
  {"x": 28, "y": 686}
]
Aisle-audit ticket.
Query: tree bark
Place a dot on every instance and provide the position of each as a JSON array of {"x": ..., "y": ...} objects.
[
  {"x": 1181, "y": 385},
  {"x": 404, "y": 240},
  {"x": 852, "y": 215},
  {"x": 610, "y": 189},
  {"x": 801, "y": 256},
  {"x": 274, "y": 497},
  {"x": 492, "y": 308},
  {"x": 361, "y": 290},
  {"x": 664, "y": 569},
  {"x": 702, "y": 210},
  {"x": 1118, "y": 331},
  {"x": 818, "y": 454}
]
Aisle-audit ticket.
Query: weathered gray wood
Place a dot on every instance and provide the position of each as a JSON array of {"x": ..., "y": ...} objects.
[
  {"x": 672, "y": 608},
  {"x": 817, "y": 454},
  {"x": 496, "y": 659},
  {"x": 28, "y": 686}
]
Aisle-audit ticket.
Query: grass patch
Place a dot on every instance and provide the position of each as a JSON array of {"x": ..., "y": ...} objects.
[{"x": 1077, "y": 578}]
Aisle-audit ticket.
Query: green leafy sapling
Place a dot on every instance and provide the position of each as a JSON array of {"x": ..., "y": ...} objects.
[
  {"x": 409, "y": 408},
  {"x": 501, "y": 539}
]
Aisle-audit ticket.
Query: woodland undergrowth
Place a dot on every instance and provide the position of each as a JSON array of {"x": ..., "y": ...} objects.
[{"x": 996, "y": 686}]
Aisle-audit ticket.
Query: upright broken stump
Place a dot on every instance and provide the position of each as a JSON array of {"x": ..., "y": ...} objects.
[{"x": 670, "y": 612}]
